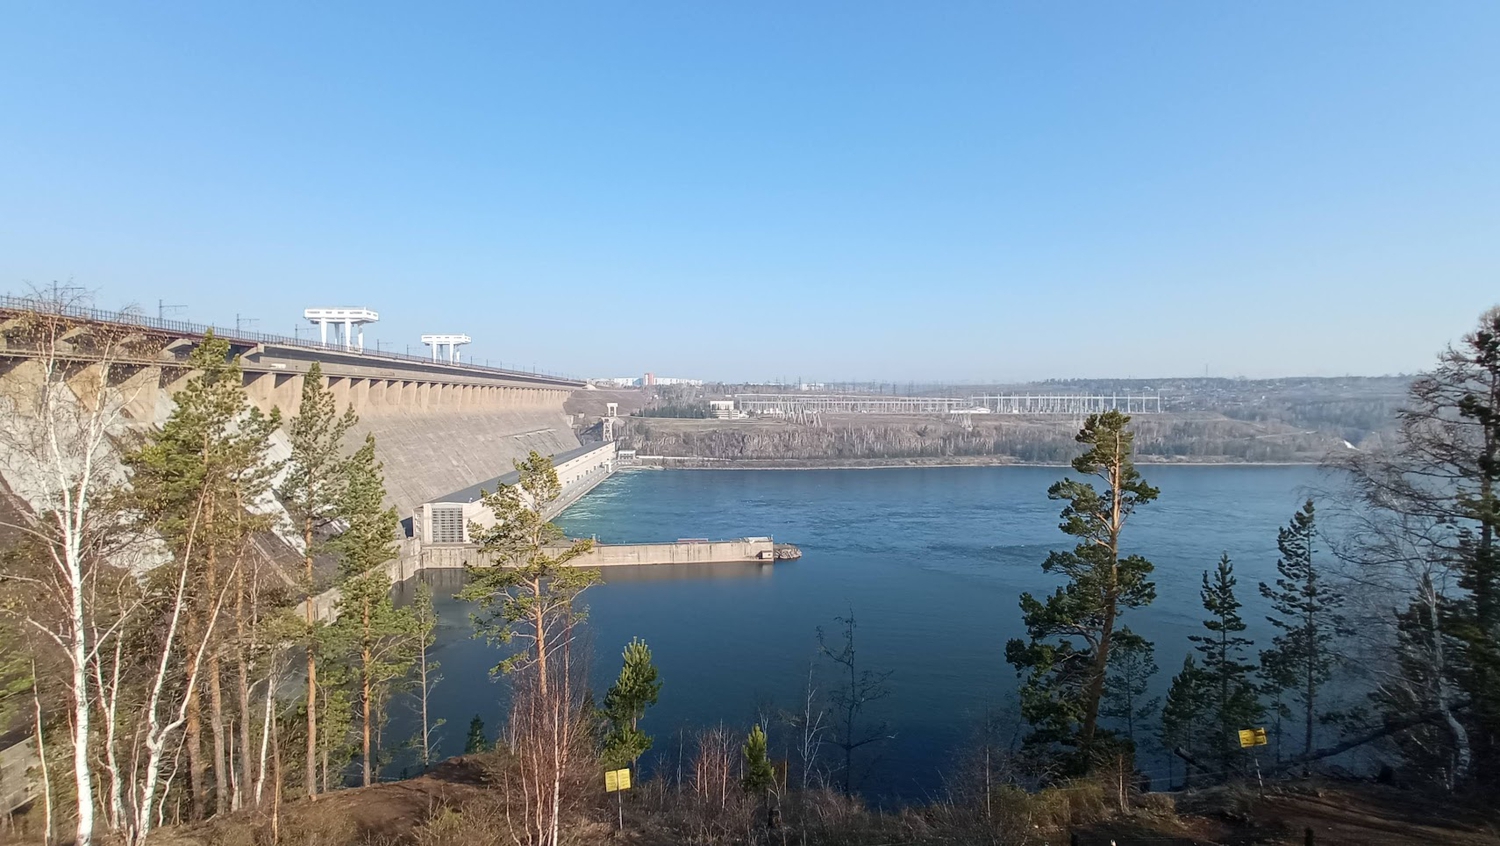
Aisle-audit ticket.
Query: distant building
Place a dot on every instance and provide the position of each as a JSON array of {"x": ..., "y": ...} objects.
[
  {"x": 647, "y": 380},
  {"x": 722, "y": 409}
]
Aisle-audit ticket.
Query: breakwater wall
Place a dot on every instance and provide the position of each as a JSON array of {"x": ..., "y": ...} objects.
[
  {"x": 625, "y": 554},
  {"x": 443, "y": 524}
]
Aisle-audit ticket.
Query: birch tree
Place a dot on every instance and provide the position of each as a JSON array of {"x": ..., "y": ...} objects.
[
  {"x": 1422, "y": 547},
  {"x": 856, "y": 690},
  {"x": 428, "y": 670},
  {"x": 59, "y": 454}
]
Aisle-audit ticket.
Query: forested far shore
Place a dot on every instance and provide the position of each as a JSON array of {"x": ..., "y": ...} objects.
[{"x": 846, "y": 439}]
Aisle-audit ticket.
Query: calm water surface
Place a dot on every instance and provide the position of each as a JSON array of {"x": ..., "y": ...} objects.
[{"x": 930, "y": 560}]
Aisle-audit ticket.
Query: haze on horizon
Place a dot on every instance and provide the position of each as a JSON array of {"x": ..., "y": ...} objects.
[{"x": 962, "y": 191}]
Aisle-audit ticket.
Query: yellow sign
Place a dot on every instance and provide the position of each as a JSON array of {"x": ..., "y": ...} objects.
[
  {"x": 616, "y": 780},
  {"x": 1252, "y": 737}
]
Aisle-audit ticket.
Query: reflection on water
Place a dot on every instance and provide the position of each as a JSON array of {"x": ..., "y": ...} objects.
[
  {"x": 689, "y": 572},
  {"x": 930, "y": 560}
]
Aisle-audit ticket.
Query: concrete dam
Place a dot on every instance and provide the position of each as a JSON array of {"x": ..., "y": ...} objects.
[
  {"x": 444, "y": 430},
  {"x": 438, "y": 425}
]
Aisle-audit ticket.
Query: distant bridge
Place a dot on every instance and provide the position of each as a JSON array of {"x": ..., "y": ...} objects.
[{"x": 1067, "y": 404}]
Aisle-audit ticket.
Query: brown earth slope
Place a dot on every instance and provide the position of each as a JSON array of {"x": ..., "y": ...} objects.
[{"x": 1343, "y": 813}]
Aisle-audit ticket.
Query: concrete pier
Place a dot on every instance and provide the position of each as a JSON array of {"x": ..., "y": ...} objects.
[{"x": 625, "y": 554}]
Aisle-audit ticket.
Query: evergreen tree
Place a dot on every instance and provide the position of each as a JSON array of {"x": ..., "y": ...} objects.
[
  {"x": 336, "y": 742},
  {"x": 1131, "y": 666},
  {"x": 1228, "y": 678},
  {"x": 759, "y": 776},
  {"x": 1186, "y": 710},
  {"x": 530, "y": 591},
  {"x": 382, "y": 637},
  {"x": 476, "y": 742},
  {"x": 530, "y": 594},
  {"x": 626, "y": 702},
  {"x": 1072, "y": 632},
  {"x": 311, "y": 490},
  {"x": 191, "y": 482},
  {"x": 1301, "y": 658}
]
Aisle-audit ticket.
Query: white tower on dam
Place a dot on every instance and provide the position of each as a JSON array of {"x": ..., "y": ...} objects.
[
  {"x": 452, "y": 342},
  {"x": 348, "y": 318}
]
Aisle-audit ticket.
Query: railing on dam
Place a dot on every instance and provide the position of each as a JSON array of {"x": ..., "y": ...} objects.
[{"x": 182, "y": 327}]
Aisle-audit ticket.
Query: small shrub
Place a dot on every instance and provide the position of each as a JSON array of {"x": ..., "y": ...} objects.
[
  {"x": 1156, "y": 805},
  {"x": 318, "y": 826}
]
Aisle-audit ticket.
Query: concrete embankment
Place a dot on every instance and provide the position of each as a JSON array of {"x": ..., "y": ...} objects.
[{"x": 625, "y": 554}]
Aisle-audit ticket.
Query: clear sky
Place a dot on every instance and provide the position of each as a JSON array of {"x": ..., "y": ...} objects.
[{"x": 832, "y": 190}]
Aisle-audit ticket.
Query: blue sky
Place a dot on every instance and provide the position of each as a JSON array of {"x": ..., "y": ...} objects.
[{"x": 833, "y": 190}]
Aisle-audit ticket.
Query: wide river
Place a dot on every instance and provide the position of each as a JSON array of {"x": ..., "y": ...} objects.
[{"x": 930, "y": 560}]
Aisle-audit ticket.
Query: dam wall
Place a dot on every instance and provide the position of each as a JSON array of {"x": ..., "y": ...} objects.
[
  {"x": 427, "y": 454},
  {"x": 446, "y": 519},
  {"x": 438, "y": 425}
]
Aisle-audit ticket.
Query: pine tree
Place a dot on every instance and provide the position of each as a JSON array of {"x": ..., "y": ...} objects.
[
  {"x": 1301, "y": 658},
  {"x": 626, "y": 702},
  {"x": 759, "y": 776},
  {"x": 1131, "y": 666},
  {"x": 1186, "y": 709},
  {"x": 311, "y": 490},
  {"x": 1072, "y": 632},
  {"x": 192, "y": 481},
  {"x": 530, "y": 591},
  {"x": 530, "y": 594},
  {"x": 382, "y": 636},
  {"x": 476, "y": 742},
  {"x": 1228, "y": 677}
]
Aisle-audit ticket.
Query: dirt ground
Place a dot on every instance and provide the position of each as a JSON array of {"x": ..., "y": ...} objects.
[
  {"x": 1340, "y": 813},
  {"x": 1343, "y": 813}
]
